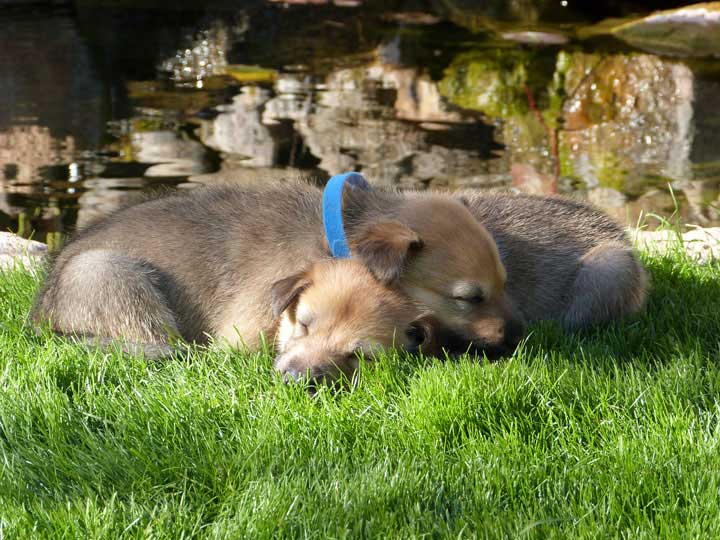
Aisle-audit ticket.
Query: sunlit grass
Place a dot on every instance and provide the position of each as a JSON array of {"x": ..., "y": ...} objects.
[{"x": 611, "y": 432}]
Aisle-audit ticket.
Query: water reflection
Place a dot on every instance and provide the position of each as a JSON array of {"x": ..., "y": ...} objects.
[{"x": 409, "y": 99}]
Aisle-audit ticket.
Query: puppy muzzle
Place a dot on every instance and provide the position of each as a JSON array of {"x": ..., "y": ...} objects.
[
  {"x": 316, "y": 370},
  {"x": 456, "y": 343}
]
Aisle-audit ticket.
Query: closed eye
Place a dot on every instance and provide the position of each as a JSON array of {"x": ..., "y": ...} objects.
[
  {"x": 301, "y": 329},
  {"x": 468, "y": 292},
  {"x": 475, "y": 298}
]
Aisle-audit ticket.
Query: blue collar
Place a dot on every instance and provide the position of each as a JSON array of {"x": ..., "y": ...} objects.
[{"x": 332, "y": 211}]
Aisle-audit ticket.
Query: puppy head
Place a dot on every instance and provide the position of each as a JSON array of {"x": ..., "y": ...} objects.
[
  {"x": 334, "y": 311},
  {"x": 445, "y": 260}
]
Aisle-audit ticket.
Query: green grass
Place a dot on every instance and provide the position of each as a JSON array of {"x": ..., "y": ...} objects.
[{"x": 613, "y": 432}]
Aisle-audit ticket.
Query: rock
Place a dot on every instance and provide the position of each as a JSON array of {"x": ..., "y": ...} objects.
[
  {"x": 701, "y": 245},
  {"x": 528, "y": 180},
  {"x": 656, "y": 200},
  {"x": 625, "y": 113},
  {"x": 607, "y": 198},
  {"x": 488, "y": 81},
  {"x": 688, "y": 31},
  {"x": 16, "y": 250}
]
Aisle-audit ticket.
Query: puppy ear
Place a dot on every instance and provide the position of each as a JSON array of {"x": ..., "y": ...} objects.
[
  {"x": 422, "y": 336},
  {"x": 284, "y": 293},
  {"x": 385, "y": 247}
]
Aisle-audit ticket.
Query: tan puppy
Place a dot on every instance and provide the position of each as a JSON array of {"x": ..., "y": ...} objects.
[
  {"x": 203, "y": 264},
  {"x": 335, "y": 312}
]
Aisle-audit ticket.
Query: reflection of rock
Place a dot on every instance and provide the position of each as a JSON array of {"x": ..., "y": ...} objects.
[
  {"x": 358, "y": 124},
  {"x": 530, "y": 37},
  {"x": 203, "y": 57},
  {"x": 15, "y": 250},
  {"x": 239, "y": 131},
  {"x": 238, "y": 174},
  {"x": 105, "y": 196},
  {"x": 292, "y": 99},
  {"x": 174, "y": 155},
  {"x": 418, "y": 98},
  {"x": 348, "y": 131},
  {"x": 25, "y": 149}
]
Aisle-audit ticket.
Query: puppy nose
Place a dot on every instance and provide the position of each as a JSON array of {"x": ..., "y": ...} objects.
[
  {"x": 514, "y": 331},
  {"x": 293, "y": 375}
]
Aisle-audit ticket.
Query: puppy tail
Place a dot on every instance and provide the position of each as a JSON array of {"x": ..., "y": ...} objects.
[{"x": 611, "y": 283}]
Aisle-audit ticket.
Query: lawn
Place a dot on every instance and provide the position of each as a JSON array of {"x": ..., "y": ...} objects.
[{"x": 612, "y": 432}]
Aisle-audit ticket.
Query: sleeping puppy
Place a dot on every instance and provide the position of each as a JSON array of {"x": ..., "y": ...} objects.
[
  {"x": 337, "y": 311},
  {"x": 203, "y": 263},
  {"x": 565, "y": 260}
]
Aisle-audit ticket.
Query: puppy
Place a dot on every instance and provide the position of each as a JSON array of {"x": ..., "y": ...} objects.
[
  {"x": 335, "y": 312},
  {"x": 565, "y": 260},
  {"x": 203, "y": 263}
]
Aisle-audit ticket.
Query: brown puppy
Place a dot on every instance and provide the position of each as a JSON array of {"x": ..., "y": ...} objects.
[
  {"x": 565, "y": 260},
  {"x": 333, "y": 313},
  {"x": 204, "y": 263}
]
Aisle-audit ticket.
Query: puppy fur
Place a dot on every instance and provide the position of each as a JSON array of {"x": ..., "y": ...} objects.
[
  {"x": 335, "y": 312},
  {"x": 565, "y": 260},
  {"x": 203, "y": 263}
]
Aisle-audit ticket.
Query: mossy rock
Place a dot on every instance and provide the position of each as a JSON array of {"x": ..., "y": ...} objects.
[{"x": 489, "y": 83}]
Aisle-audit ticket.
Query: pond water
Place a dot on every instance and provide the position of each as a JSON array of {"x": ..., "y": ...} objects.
[{"x": 102, "y": 102}]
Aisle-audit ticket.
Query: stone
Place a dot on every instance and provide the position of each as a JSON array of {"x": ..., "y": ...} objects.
[
  {"x": 701, "y": 244},
  {"x": 687, "y": 31},
  {"x": 15, "y": 250}
]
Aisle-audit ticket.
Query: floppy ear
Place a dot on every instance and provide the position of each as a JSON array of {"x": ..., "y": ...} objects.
[
  {"x": 285, "y": 292},
  {"x": 384, "y": 248},
  {"x": 423, "y": 335},
  {"x": 420, "y": 333}
]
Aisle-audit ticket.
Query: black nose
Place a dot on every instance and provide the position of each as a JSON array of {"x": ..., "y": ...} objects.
[
  {"x": 514, "y": 332},
  {"x": 293, "y": 375}
]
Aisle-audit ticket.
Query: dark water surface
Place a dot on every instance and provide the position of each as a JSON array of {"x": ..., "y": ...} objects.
[{"x": 102, "y": 101}]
